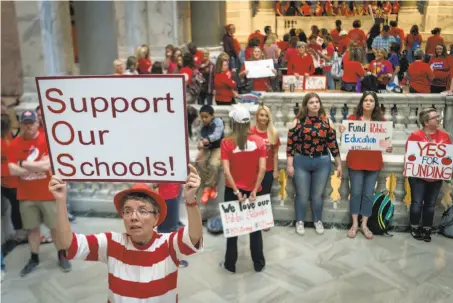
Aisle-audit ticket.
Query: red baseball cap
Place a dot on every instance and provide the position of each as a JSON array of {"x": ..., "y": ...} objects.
[{"x": 142, "y": 188}]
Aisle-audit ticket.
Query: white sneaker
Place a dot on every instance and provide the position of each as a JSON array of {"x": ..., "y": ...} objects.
[
  {"x": 300, "y": 229},
  {"x": 319, "y": 228}
]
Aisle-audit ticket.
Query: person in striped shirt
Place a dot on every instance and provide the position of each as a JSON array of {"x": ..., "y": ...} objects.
[{"x": 142, "y": 264}]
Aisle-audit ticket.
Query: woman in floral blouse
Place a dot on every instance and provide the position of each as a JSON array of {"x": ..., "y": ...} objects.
[{"x": 308, "y": 159}]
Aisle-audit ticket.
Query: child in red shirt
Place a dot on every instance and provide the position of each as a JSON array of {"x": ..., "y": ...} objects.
[{"x": 244, "y": 164}]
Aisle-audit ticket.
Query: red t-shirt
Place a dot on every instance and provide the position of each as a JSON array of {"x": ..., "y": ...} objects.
[
  {"x": 352, "y": 71},
  {"x": 364, "y": 159},
  {"x": 397, "y": 32},
  {"x": 259, "y": 84},
  {"x": 420, "y": 74},
  {"x": 357, "y": 35},
  {"x": 270, "y": 148},
  {"x": 224, "y": 86},
  {"x": 248, "y": 53},
  {"x": 439, "y": 136},
  {"x": 188, "y": 73},
  {"x": 198, "y": 58},
  {"x": 441, "y": 68},
  {"x": 144, "y": 65},
  {"x": 7, "y": 180},
  {"x": 301, "y": 65},
  {"x": 34, "y": 186},
  {"x": 283, "y": 45},
  {"x": 410, "y": 40},
  {"x": 335, "y": 36},
  {"x": 306, "y": 10},
  {"x": 260, "y": 36},
  {"x": 330, "y": 50},
  {"x": 431, "y": 44},
  {"x": 244, "y": 165},
  {"x": 169, "y": 191},
  {"x": 290, "y": 52},
  {"x": 343, "y": 44}
]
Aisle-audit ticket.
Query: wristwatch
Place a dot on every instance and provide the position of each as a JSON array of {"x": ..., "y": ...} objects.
[{"x": 236, "y": 192}]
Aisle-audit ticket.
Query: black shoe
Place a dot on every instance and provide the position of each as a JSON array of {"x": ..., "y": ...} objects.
[
  {"x": 427, "y": 235},
  {"x": 64, "y": 265},
  {"x": 416, "y": 233},
  {"x": 31, "y": 266},
  {"x": 259, "y": 266}
]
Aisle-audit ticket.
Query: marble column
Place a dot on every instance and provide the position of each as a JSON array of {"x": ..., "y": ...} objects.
[
  {"x": 184, "y": 22},
  {"x": 409, "y": 15},
  {"x": 265, "y": 16},
  {"x": 44, "y": 29},
  {"x": 97, "y": 34},
  {"x": 206, "y": 27},
  {"x": 136, "y": 25},
  {"x": 239, "y": 13},
  {"x": 439, "y": 14}
]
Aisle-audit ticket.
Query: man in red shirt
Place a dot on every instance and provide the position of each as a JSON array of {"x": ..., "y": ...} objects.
[{"x": 28, "y": 159}]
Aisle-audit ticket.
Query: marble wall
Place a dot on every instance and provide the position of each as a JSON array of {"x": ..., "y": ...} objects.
[{"x": 12, "y": 82}]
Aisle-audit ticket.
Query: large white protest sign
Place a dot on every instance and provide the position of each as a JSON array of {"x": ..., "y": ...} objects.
[
  {"x": 363, "y": 135},
  {"x": 428, "y": 160},
  {"x": 241, "y": 218},
  {"x": 113, "y": 128},
  {"x": 259, "y": 68}
]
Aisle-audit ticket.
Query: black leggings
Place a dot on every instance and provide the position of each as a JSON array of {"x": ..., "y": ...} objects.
[
  {"x": 266, "y": 184},
  {"x": 437, "y": 89},
  {"x": 11, "y": 195},
  {"x": 256, "y": 241}
]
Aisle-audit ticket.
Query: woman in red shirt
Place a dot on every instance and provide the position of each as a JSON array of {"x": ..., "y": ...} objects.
[
  {"x": 356, "y": 34},
  {"x": 224, "y": 85},
  {"x": 364, "y": 167},
  {"x": 308, "y": 159},
  {"x": 144, "y": 60},
  {"x": 413, "y": 41},
  {"x": 424, "y": 192},
  {"x": 258, "y": 84},
  {"x": 440, "y": 64},
  {"x": 381, "y": 68},
  {"x": 302, "y": 63},
  {"x": 433, "y": 41},
  {"x": 266, "y": 130},
  {"x": 244, "y": 164},
  {"x": 173, "y": 63},
  {"x": 352, "y": 70},
  {"x": 292, "y": 49},
  {"x": 419, "y": 74}
]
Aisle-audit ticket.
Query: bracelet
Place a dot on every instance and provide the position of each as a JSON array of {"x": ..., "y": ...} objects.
[
  {"x": 237, "y": 192},
  {"x": 190, "y": 204}
]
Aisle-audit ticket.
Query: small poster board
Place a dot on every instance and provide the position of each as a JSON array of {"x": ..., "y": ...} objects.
[
  {"x": 298, "y": 83},
  {"x": 260, "y": 68},
  {"x": 428, "y": 160},
  {"x": 315, "y": 83},
  {"x": 116, "y": 128},
  {"x": 241, "y": 218},
  {"x": 366, "y": 135}
]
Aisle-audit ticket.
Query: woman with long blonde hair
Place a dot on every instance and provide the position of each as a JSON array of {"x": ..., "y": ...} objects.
[
  {"x": 144, "y": 60},
  {"x": 244, "y": 163},
  {"x": 308, "y": 159},
  {"x": 265, "y": 128}
]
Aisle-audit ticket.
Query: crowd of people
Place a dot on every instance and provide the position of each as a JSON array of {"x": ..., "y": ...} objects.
[{"x": 336, "y": 8}]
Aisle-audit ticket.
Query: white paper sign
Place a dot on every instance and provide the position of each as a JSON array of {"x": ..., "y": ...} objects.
[
  {"x": 298, "y": 83},
  {"x": 241, "y": 218},
  {"x": 428, "y": 160},
  {"x": 316, "y": 83},
  {"x": 113, "y": 128},
  {"x": 362, "y": 135},
  {"x": 259, "y": 68}
]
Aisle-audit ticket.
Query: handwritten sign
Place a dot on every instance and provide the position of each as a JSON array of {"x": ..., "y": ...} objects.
[
  {"x": 316, "y": 83},
  {"x": 241, "y": 218},
  {"x": 260, "y": 68},
  {"x": 428, "y": 160},
  {"x": 298, "y": 83},
  {"x": 364, "y": 135},
  {"x": 110, "y": 128}
]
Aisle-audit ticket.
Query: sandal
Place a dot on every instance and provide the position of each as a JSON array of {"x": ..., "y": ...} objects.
[
  {"x": 367, "y": 233},
  {"x": 352, "y": 232}
]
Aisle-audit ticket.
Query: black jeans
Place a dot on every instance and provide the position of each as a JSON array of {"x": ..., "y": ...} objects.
[
  {"x": 204, "y": 95},
  {"x": 266, "y": 184},
  {"x": 256, "y": 242},
  {"x": 423, "y": 195},
  {"x": 11, "y": 195},
  {"x": 437, "y": 89}
]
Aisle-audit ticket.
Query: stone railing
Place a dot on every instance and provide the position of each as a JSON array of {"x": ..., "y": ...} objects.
[{"x": 98, "y": 197}]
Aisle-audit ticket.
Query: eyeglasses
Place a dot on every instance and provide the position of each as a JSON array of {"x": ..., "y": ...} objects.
[
  {"x": 436, "y": 117},
  {"x": 140, "y": 212}
]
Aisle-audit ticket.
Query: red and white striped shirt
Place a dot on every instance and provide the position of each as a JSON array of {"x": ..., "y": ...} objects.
[{"x": 137, "y": 274}]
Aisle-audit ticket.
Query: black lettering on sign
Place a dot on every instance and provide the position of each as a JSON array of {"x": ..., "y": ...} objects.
[{"x": 228, "y": 209}]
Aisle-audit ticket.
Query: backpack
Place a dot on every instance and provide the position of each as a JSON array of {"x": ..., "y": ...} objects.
[
  {"x": 337, "y": 70},
  {"x": 446, "y": 223},
  {"x": 214, "y": 225},
  {"x": 382, "y": 214},
  {"x": 194, "y": 87},
  {"x": 369, "y": 83}
]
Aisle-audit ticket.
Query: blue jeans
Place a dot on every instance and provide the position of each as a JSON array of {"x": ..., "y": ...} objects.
[
  {"x": 171, "y": 222},
  {"x": 362, "y": 191},
  {"x": 310, "y": 179},
  {"x": 330, "y": 83}
]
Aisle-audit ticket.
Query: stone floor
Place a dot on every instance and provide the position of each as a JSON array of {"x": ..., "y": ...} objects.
[{"x": 328, "y": 268}]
